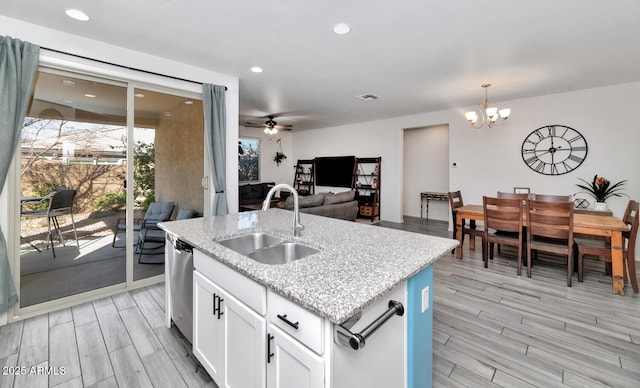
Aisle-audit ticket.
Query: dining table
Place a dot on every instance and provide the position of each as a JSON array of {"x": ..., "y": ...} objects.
[{"x": 587, "y": 224}]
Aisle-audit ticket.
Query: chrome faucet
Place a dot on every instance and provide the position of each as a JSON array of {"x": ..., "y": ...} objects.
[{"x": 297, "y": 226}]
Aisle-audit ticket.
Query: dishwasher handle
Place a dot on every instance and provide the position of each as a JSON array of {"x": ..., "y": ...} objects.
[{"x": 182, "y": 246}]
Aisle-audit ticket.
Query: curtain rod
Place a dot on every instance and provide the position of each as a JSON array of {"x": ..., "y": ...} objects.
[{"x": 124, "y": 67}]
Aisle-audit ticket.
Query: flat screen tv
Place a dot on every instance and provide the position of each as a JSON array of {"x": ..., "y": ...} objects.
[{"x": 335, "y": 171}]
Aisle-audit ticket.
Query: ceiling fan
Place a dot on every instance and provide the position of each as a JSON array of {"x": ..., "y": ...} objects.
[{"x": 270, "y": 126}]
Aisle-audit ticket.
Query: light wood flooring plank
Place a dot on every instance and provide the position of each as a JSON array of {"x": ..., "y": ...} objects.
[
  {"x": 177, "y": 351},
  {"x": 34, "y": 378},
  {"x": 149, "y": 308},
  {"x": 83, "y": 314},
  {"x": 94, "y": 358},
  {"x": 109, "y": 382},
  {"x": 73, "y": 383},
  {"x": 113, "y": 330},
  {"x": 128, "y": 368},
  {"x": 60, "y": 316},
  {"x": 10, "y": 337},
  {"x": 34, "y": 348},
  {"x": 161, "y": 370},
  {"x": 157, "y": 293},
  {"x": 63, "y": 353},
  {"x": 140, "y": 332},
  {"x": 123, "y": 301},
  {"x": 6, "y": 381}
]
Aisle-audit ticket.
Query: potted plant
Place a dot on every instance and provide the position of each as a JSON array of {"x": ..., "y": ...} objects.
[
  {"x": 601, "y": 189},
  {"x": 279, "y": 157}
]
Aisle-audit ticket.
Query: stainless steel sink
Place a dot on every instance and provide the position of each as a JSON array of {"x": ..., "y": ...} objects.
[
  {"x": 250, "y": 242},
  {"x": 268, "y": 249},
  {"x": 283, "y": 253}
]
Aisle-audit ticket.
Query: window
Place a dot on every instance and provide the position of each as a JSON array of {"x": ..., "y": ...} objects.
[{"x": 248, "y": 159}]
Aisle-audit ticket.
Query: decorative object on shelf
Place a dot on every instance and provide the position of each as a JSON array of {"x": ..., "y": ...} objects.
[
  {"x": 554, "y": 150},
  {"x": 279, "y": 154},
  {"x": 489, "y": 114},
  {"x": 366, "y": 183},
  {"x": 303, "y": 181},
  {"x": 580, "y": 203},
  {"x": 601, "y": 189}
]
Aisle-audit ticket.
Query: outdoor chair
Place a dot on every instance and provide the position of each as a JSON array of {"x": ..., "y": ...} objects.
[
  {"x": 60, "y": 204},
  {"x": 148, "y": 233}
]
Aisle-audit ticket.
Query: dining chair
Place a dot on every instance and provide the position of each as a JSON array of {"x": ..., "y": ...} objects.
[
  {"x": 455, "y": 201},
  {"x": 552, "y": 197},
  {"x": 602, "y": 248},
  {"x": 60, "y": 204},
  {"x": 503, "y": 224},
  {"x": 508, "y": 195},
  {"x": 550, "y": 229}
]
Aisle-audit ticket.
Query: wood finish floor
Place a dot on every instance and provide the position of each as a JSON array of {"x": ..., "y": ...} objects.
[{"x": 491, "y": 328}]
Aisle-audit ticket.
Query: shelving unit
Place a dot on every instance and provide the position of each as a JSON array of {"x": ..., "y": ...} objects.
[
  {"x": 366, "y": 183},
  {"x": 303, "y": 179}
]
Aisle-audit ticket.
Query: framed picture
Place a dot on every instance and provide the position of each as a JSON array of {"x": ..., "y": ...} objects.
[{"x": 521, "y": 190}]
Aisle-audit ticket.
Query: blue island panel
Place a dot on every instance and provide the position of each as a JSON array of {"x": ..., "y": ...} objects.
[{"x": 419, "y": 330}]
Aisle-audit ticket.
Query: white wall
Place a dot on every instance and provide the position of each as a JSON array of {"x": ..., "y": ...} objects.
[
  {"x": 489, "y": 159},
  {"x": 365, "y": 140},
  {"x": 425, "y": 161}
]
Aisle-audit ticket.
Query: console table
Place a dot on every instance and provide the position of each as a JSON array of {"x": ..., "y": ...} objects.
[{"x": 433, "y": 196}]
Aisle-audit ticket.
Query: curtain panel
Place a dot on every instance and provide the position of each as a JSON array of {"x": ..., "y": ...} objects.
[
  {"x": 18, "y": 66},
  {"x": 215, "y": 121}
]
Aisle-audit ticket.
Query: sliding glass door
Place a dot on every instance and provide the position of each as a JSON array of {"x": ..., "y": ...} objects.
[{"x": 78, "y": 137}]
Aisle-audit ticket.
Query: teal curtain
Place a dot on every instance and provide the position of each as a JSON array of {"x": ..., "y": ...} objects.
[
  {"x": 18, "y": 66},
  {"x": 215, "y": 124}
]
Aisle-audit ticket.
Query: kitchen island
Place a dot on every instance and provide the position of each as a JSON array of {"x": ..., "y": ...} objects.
[{"x": 357, "y": 271}]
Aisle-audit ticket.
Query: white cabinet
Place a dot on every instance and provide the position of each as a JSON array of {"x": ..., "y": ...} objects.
[
  {"x": 291, "y": 364},
  {"x": 229, "y": 336}
]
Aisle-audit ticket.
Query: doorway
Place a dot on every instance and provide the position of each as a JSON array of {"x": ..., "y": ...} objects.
[
  {"x": 78, "y": 136},
  {"x": 425, "y": 169}
]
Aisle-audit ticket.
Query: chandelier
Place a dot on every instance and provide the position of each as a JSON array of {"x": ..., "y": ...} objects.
[
  {"x": 489, "y": 114},
  {"x": 270, "y": 130}
]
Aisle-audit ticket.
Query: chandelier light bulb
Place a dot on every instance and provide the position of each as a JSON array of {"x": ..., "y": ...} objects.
[{"x": 487, "y": 113}]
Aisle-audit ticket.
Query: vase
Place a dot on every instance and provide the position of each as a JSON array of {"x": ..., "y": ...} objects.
[{"x": 600, "y": 206}]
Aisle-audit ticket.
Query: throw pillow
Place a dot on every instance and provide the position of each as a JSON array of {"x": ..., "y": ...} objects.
[
  {"x": 305, "y": 201},
  {"x": 345, "y": 196}
]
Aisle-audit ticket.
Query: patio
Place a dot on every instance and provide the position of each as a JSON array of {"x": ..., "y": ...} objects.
[{"x": 96, "y": 265}]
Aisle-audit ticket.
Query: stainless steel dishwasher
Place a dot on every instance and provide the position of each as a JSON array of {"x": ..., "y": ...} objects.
[{"x": 180, "y": 284}]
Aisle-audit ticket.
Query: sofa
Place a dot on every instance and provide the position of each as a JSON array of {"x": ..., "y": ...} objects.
[
  {"x": 253, "y": 193},
  {"x": 340, "y": 205}
]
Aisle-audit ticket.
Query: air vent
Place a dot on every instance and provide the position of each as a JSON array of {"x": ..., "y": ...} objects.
[{"x": 367, "y": 97}]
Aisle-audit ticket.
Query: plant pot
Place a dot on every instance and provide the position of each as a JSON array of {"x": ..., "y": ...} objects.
[{"x": 600, "y": 206}]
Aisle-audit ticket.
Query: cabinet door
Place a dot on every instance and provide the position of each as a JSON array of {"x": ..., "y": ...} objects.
[
  {"x": 245, "y": 351},
  {"x": 208, "y": 330},
  {"x": 292, "y": 365}
]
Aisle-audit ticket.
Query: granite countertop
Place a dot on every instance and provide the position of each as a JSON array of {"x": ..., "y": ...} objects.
[{"x": 357, "y": 264}]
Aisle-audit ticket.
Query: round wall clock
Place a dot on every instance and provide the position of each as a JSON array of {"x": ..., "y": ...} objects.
[{"x": 554, "y": 150}]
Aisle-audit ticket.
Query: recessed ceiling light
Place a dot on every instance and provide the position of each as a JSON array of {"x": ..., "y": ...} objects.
[
  {"x": 68, "y": 82},
  {"x": 139, "y": 95},
  {"x": 90, "y": 95},
  {"x": 77, "y": 14},
  {"x": 256, "y": 69},
  {"x": 341, "y": 28},
  {"x": 188, "y": 102}
]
